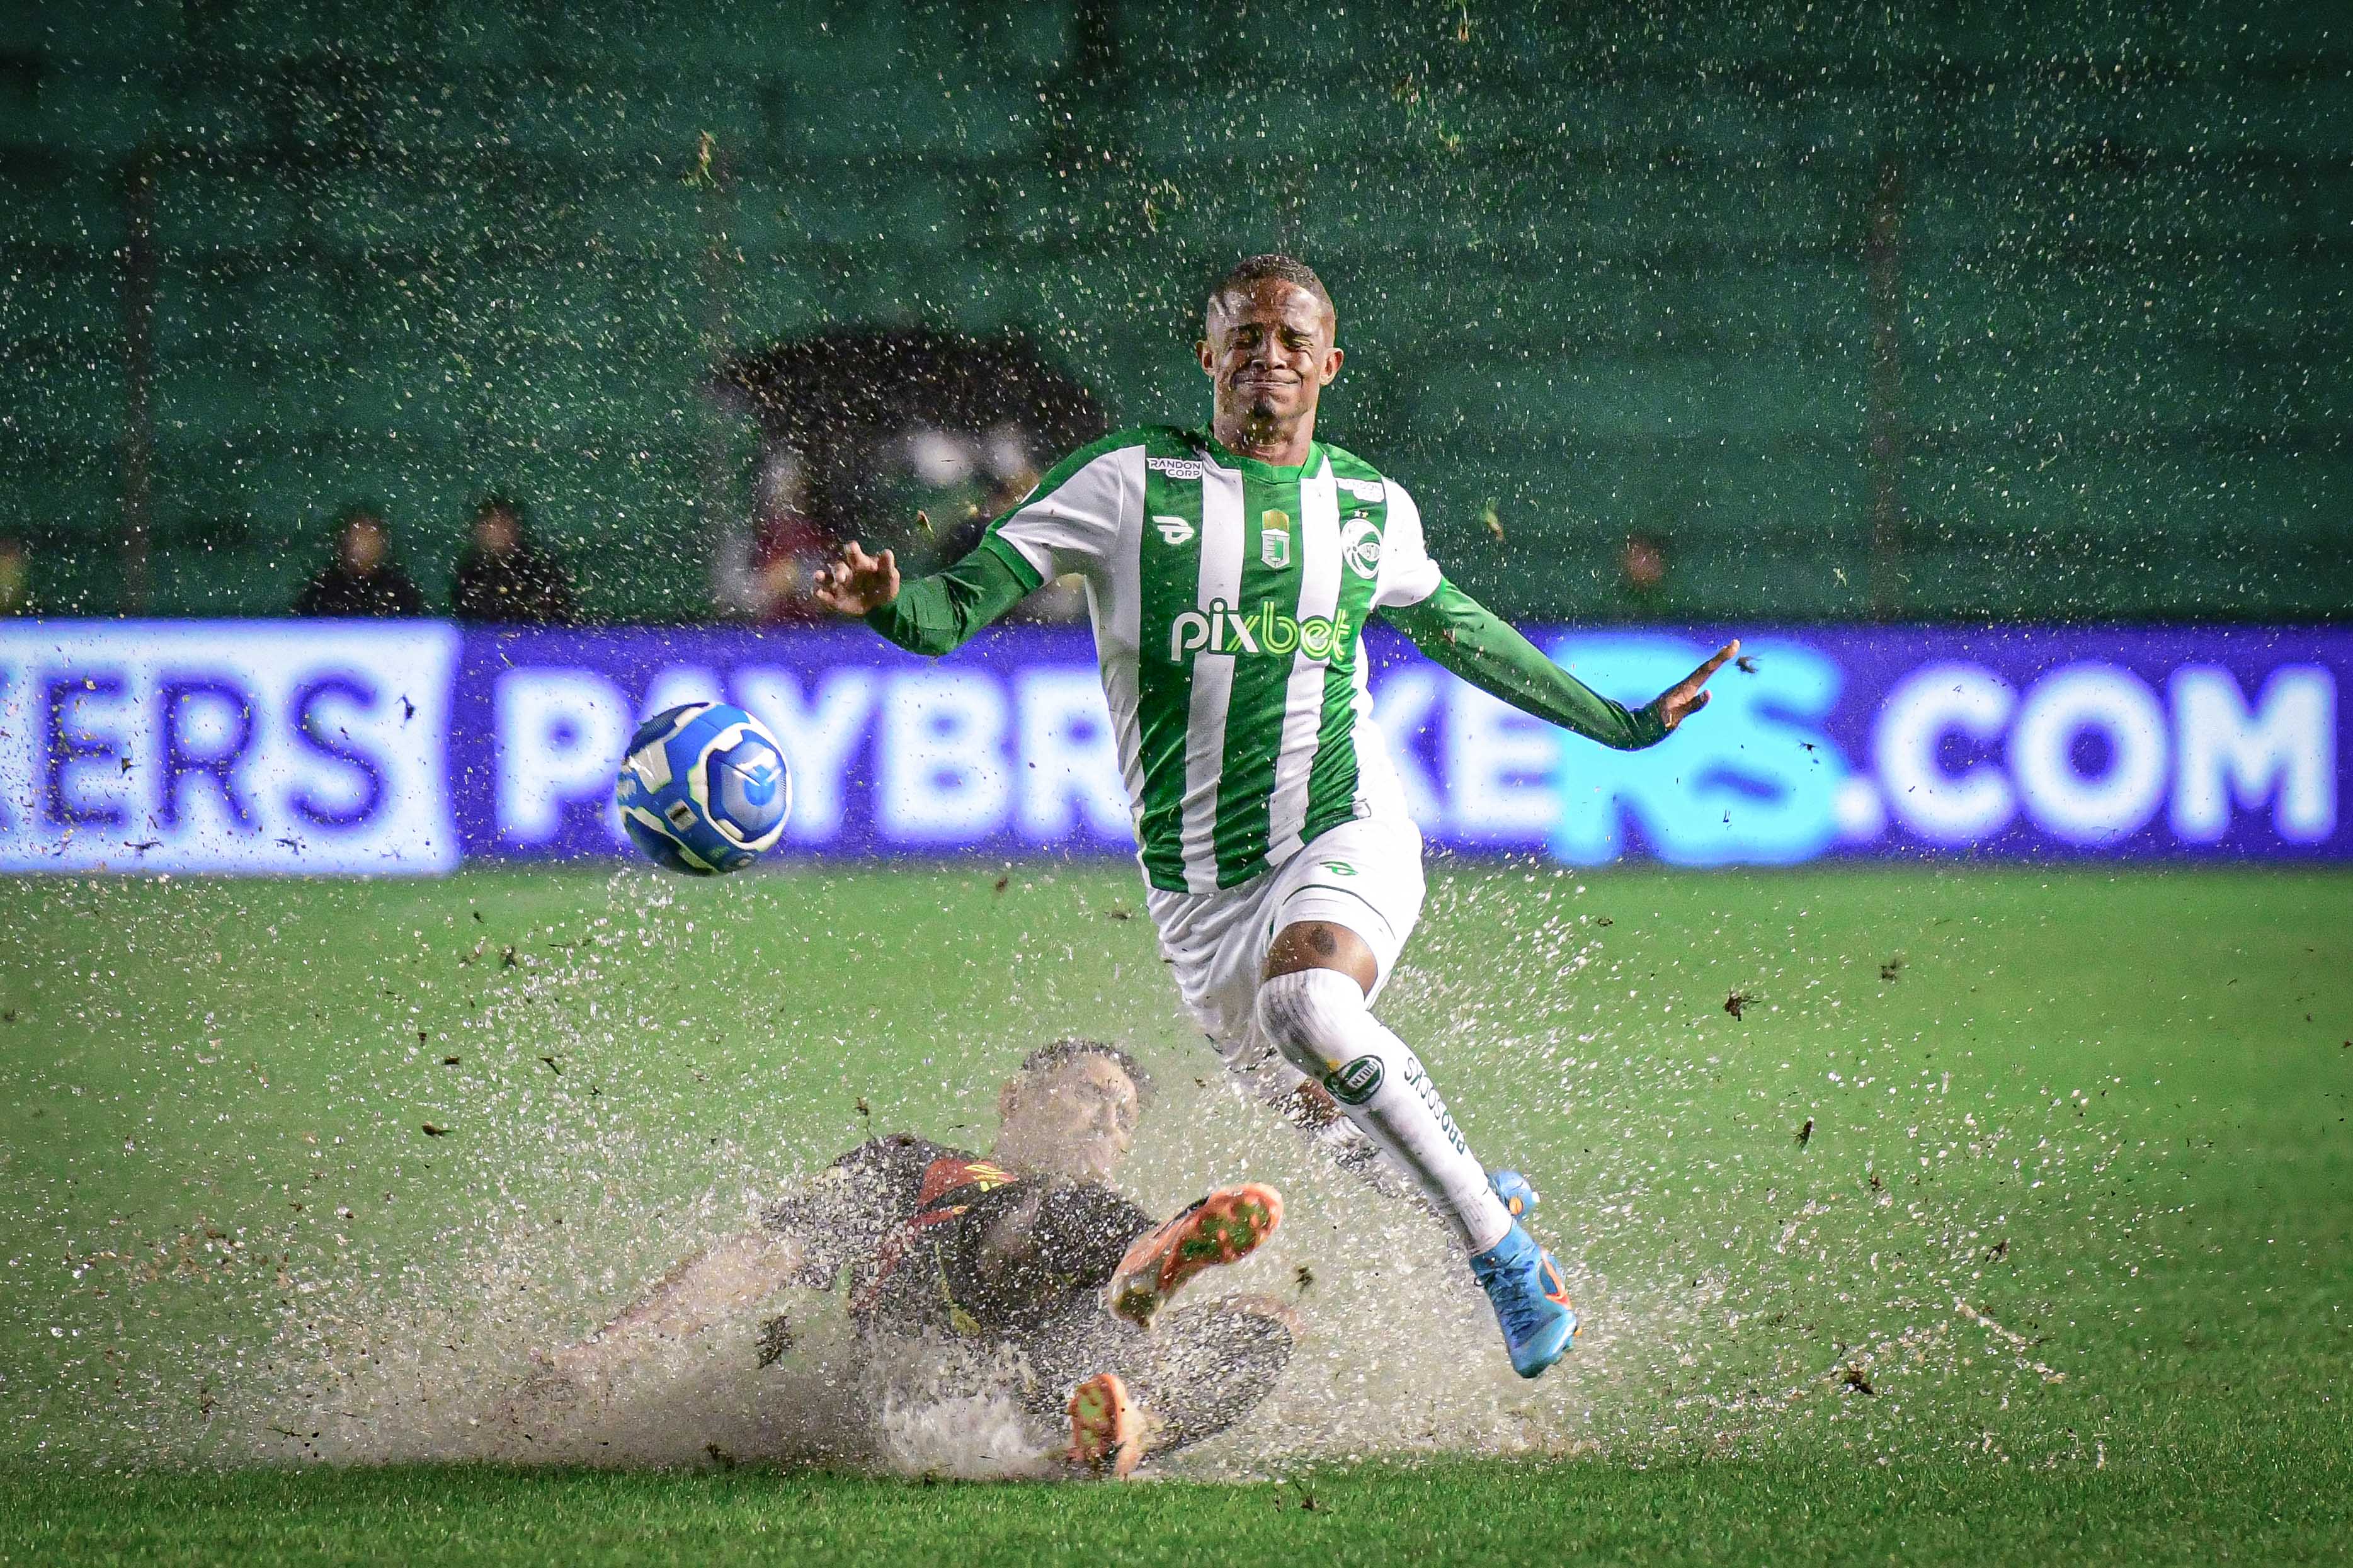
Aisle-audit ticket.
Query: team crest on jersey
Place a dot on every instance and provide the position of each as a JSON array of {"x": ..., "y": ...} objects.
[
  {"x": 1175, "y": 467},
  {"x": 1274, "y": 538},
  {"x": 1360, "y": 545},
  {"x": 1173, "y": 530}
]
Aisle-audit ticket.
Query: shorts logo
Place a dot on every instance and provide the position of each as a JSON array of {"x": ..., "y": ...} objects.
[
  {"x": 1354, "y": 1082},
  {"x": 1173, "y": 530},
  {"x": 1274, "y": 539},
  {"x": 1360, "y": 546},
  {"x": 1175, "y": 467},
  {"x": 1338, "y": 867}
]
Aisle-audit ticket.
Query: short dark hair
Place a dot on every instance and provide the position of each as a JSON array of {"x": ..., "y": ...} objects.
[
  {"x": 1253, "y": 269},
  {"x": 1063, "y": 1052}
]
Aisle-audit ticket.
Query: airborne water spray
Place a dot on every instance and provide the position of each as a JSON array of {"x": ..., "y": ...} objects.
[
  {"x": 624, "y": 1073},
  {"x": 1728, "y": 1294}
]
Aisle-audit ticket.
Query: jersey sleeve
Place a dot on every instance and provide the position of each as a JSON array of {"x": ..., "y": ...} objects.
[
  {"x": 1072, "y": 519},
  {"x": 841, "y": 1214},
  {"x": 1463, "y": 635},
  {"x": 937, "y": 615},
  {"x": 1407, "y": 574}
]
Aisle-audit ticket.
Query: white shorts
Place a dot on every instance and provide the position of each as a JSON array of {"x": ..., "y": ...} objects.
[{"x": 1363, "y": 875}]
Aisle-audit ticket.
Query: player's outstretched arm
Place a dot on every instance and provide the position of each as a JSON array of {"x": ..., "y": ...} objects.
[
  {"x": 724, "y": 1279},
  {"x": 932, "y": 615},
  {"x": 1461, "y": 634}
]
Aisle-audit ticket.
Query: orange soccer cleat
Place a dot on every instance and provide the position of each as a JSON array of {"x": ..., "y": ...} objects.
[
  {"x": 1224, "y": 1227},
  {"x": 1106, "y": 1429}
]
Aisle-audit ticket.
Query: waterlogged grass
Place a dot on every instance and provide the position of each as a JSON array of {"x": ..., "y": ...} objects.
[
  {"x": 2010, "y": 1219},
  {"x": 2280, "y": 1497}
]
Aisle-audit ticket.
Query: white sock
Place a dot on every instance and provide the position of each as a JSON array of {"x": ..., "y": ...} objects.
[{"x": 1318, "y": 1019}]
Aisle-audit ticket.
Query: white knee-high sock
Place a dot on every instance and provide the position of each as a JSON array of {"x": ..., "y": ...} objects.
[{"x": 1318, "y": 1019}]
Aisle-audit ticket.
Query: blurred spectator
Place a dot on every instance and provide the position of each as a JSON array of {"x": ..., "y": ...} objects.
[
  {"x": 16, "y": 577},
  {"x": 1643, "y": 564},
  {"x": 504, "y": 578},
  {"x": 1012, "y": 474},
  {"x": 865, "y": 427},
  {"x": 777, "y": 576},
  {"x": 362, "y": 579}
]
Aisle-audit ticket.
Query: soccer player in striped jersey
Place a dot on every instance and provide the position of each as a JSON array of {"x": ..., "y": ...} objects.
[{"x": 1228, "y": 575}]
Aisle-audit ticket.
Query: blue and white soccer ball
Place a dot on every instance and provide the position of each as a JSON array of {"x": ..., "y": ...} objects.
[{"x": 704, "y": 789}]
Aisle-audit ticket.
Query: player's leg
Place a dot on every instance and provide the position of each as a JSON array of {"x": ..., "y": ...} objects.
[
  {"x": 1075, "y": 1340},
  {"x": 1214, "y": 945},
  {"x": 1070, "y": 1366},
  {"x": 729, "y": 1278},
  {"x": 1206, "y": 1367},
  {"x": 1313, "y": 1006},
  {"x": 1340, "y": 915},
  {"x": 1331, "y": 928},
  {"x": 1199, "y": 1371}
]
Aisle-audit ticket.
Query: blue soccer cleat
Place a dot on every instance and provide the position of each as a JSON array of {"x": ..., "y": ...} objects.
[
  {"x": 1514, "y": 1189},
  {"x": 1524, "y": 1283}
]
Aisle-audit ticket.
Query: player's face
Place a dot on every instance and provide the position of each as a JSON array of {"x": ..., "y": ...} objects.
[
  {"x": 1077, "y": 1120},
  {"x": 1269, "y": 352}
]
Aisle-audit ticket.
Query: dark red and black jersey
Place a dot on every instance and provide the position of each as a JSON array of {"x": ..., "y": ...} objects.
[{"x": 938, "y": 1237}]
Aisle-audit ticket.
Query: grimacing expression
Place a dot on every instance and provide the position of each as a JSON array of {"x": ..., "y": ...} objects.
[
  {"x": 1077, "y": 1117},
  {"x": 1269, "y": 352}
]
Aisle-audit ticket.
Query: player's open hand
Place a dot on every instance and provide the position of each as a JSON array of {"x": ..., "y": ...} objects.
[
  {"x": 857, "y": 582},
  {"x": 1689, "y": 695}
]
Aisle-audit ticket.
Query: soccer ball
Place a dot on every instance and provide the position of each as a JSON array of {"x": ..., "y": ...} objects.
[{"x": 704, "y": 789}]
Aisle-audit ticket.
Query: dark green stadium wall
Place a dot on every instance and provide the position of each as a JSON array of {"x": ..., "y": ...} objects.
[{"x": 2004, "y": 310}]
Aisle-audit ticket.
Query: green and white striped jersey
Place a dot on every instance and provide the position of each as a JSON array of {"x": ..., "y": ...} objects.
[{"x": 1229, "y": 599}]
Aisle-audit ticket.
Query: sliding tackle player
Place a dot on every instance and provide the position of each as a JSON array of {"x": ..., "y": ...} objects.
[{"x": 1022, "y": 1257}]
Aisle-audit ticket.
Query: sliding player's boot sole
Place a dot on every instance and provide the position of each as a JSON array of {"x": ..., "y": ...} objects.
[
  {"x": 1224, "y": 1227},
  {"x": 1106, "y": 1429}
]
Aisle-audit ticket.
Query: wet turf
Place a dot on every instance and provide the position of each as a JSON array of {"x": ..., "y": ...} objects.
[{"x": 215, "y": 1093}]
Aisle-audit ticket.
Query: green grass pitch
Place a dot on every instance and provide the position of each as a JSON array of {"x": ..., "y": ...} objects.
[{"x": 2008, "y": 1219}]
